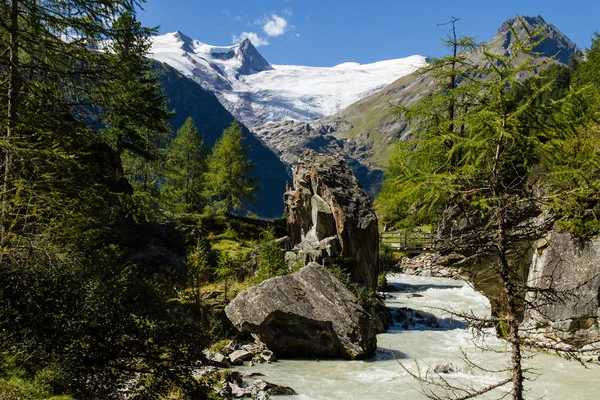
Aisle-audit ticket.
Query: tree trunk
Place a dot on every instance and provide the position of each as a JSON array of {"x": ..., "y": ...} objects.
[
  {"x": 509, "y": 290},
  {"x": 12, "y": 107}
]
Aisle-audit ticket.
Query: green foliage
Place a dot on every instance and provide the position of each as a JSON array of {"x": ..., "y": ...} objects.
[
  {"x": 184, "y": 188},
  {"x": 229, "y": 177},
  {"x": 544, "y": 128},
  {"x": 221, "y": 347},
  {"x": 414, "y": 190},
  {"x": 521, "y": 149},
  {"x": 365, "y": 295},
  {"x": 388, "y": 261},
  {"x": 382, "y": 283},
  {"x": 135, "y": 116},
  {"x": 271, "y": 262},
  {"x": 200, "y": 267},
  {"x": 85, "y": 293},
  {"x": 571, "y": 169},
  {"x": 18, "y": 384},
  {"x": 227, "y": 269}
]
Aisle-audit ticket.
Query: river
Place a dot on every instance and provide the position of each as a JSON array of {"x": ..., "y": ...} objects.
[{"x": 382, "y": 377}]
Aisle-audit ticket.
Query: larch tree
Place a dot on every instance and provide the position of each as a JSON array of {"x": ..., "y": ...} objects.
[
  {"x": 471, "y": 172},
  {"x": 438, "y": 121},
  {"x": 185, "y": 177},
  {"x": 73, "y": 300},
  {"x": 48, "y": 68},
  {"x": 229, "y": 172}
]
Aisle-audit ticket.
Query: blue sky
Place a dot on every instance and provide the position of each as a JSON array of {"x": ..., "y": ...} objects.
[{"x": 330, "y": 32}]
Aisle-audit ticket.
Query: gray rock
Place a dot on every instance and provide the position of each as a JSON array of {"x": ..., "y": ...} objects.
[
  {"x": 306, "y": 314},
  {"x": 239, "y": 356},
  {"x": 268, "y": 356},
  {"x": 567, "y": 308},
  {"x": 444, "y": 368},
  {"x": 252, "y": 374},
  {"x": 217, "y": 359},
  {"x": 329, "y": 215},
  {"x": 237, "y": 391},
  {"x": 273, "y": 389}
]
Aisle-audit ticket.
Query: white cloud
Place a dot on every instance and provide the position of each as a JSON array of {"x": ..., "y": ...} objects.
[
  {"x": 275, "y": 25},
  {"x": 254, "y": 38},
  {"x": 288, "y": 12}
]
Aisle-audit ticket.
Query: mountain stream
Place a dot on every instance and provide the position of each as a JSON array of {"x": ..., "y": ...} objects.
[{"x": 420, "y": 346}]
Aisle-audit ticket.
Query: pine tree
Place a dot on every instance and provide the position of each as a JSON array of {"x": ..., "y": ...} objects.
[
  {"x": 184, "y": 188},
  {"x": 229, "y": 180}
]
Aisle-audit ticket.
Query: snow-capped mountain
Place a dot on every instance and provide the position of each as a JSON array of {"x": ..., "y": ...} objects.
[{"x": 257, "y": 92}]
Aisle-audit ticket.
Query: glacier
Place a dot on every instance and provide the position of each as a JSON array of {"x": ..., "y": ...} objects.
[{"x": 257, "y": 92}]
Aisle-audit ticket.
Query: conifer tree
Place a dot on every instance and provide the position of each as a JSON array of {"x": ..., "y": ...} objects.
[
  {"x": 486, "y": 193},
  {"x": 48, "y": 67},
  {"x": 438, "y": 121},
  {"x": 72, "y": 296},
  {"x": 135, "y": 108},
  {"x": 185, "y": 179},
  {"x": 229, "y": 179}
]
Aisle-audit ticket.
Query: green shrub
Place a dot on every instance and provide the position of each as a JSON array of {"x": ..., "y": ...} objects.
[
  {"x": 271, "y": 261},
  {"x": 388, "y": 262},
  {"x": 382, "y": 284}
]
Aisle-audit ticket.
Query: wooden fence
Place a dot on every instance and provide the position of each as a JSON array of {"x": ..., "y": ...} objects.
[{"x": 410, "y": 241}]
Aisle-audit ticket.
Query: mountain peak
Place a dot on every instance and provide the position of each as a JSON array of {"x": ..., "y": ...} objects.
[
  {"x": 536, "y": 22},
  {"x": 252, "y": 60},
  {"x": 557, "y": 44},
  {"x": 186, "y": 41}
]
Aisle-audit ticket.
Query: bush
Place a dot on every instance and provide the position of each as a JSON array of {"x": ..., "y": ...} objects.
[
  {"x": 271, "y": 261},
  {"x": 382, "y": 284},
  {"x": 388, "y": 262}
]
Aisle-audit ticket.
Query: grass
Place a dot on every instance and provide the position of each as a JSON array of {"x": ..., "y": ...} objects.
[{"x": 17, "y": 384}]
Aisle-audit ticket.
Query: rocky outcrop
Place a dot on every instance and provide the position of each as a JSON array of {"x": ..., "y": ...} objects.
[
  {"x": 330, "y": 215},
  {"x": 565, "y": 312},
  {"x": 306, "y": 314},
  {"x": 252, "y": 61}
]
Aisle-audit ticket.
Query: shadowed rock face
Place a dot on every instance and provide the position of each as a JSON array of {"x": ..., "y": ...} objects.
[
  {"x": 571, "y": 270},
  {"x": 306, "y": 314},
  {"x": 329, "y": 214}
]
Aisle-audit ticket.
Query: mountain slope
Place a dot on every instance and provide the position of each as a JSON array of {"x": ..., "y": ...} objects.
[
  {"x": 365, "y": 131},
  {"x": 257, "y": 92},
  {"x": 187, "y": 98}
]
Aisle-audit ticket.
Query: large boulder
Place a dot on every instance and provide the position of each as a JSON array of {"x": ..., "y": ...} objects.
[
  {"x": 330, "y": 215},
  {"x": 306, "y": 314},
  {"x": 565, "y": 305}
]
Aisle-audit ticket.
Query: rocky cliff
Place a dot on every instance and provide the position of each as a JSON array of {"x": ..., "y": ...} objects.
[{"x": 330, "y": 215}]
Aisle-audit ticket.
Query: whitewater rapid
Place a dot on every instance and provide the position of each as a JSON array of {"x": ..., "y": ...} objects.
[{"x": 382, "y": 377}]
